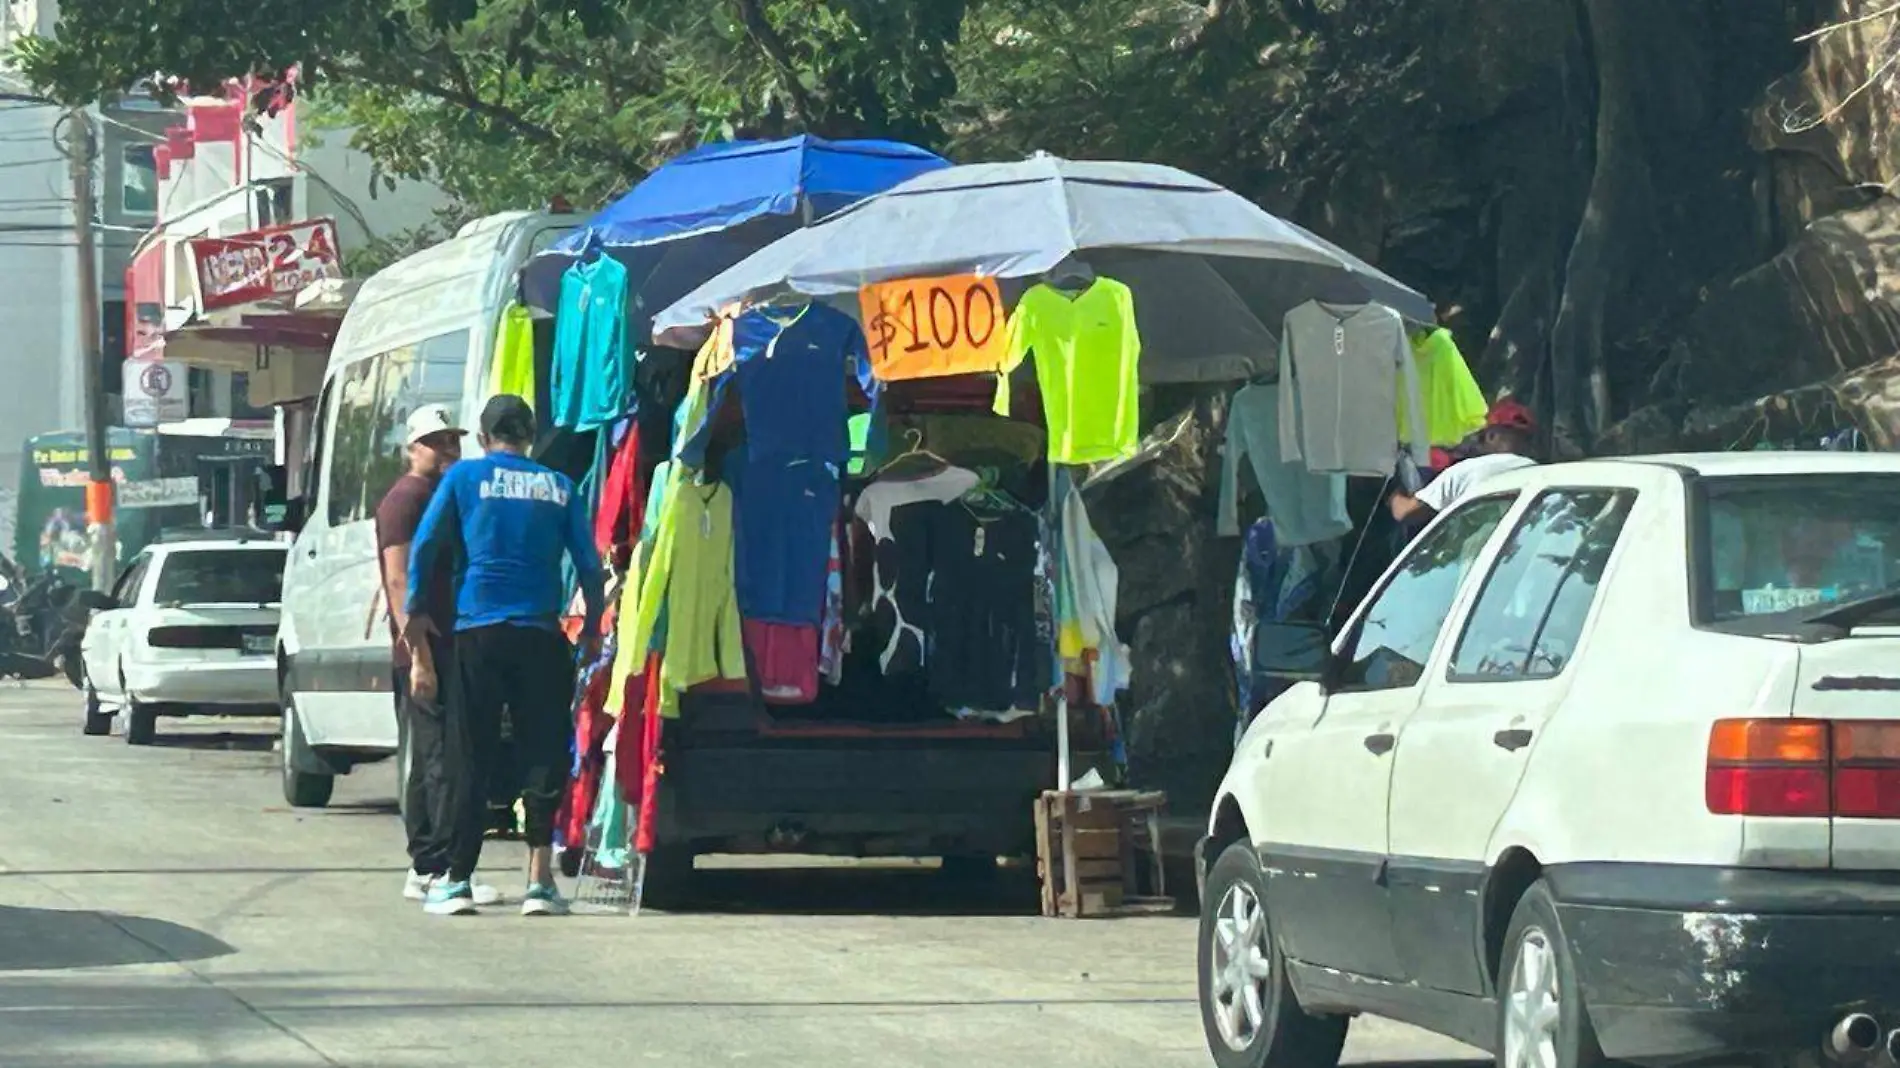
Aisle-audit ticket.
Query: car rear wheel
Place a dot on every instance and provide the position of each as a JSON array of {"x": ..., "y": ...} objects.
[
  {"x": 98, "y": 720},
  {"x": 302, "y": 789},
  {"x": 141, "y": 723},
  {"x": 1542, "y": 1022},
  {"x": 1248, "y": 1009}
]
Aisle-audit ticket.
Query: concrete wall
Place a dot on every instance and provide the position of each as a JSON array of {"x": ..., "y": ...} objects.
[
  {"x": 39, "y": 343},
  {"x": 343, "y": 185}
]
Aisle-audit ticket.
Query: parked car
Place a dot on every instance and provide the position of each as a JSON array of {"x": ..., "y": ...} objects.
[
  {"x": 1606, "y": 767},
  {"x": 188, "y": 628}
]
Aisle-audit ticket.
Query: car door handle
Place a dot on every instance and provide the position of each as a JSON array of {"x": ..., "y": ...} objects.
[
  {"x": 1380, "y": 744},
  {"x": 1512, "y": 740}
]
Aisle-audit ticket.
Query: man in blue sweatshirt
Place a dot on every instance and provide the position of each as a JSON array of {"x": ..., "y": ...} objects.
[{"x": 512, "y": 519}]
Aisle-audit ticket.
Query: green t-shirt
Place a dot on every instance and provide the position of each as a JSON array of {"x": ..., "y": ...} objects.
[{"x": 1088, "y": 356}]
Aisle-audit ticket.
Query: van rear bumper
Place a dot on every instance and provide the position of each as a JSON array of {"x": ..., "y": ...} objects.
[{"x": 1683, "y": 963}]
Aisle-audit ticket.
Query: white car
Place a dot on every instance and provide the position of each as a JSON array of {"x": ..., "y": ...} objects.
[
  {"x": 1606, "y": 767},
  {"x": 189, "y": 628}
]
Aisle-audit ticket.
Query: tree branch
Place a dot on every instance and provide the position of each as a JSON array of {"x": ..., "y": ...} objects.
[
  {"x": 493, "y": 113},
  {"x": 1836, "y": 27},
  {"x": 760, "y": 29}
]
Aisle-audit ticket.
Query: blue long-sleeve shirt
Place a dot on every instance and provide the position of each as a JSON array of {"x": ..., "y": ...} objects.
[{"x": 513, "y": 518}]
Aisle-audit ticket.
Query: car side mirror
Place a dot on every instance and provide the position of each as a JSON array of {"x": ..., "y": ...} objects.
[{"x": 95, "y": 601}]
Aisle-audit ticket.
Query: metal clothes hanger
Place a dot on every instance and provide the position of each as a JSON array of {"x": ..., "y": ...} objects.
[{"x": 914, "y": 437}]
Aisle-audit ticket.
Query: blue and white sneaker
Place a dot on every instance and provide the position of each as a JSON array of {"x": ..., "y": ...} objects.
[
  {"x": 416, "y": 886},
  {"x": 543, "y": 899},
  {"x": 447, "y": 898}
]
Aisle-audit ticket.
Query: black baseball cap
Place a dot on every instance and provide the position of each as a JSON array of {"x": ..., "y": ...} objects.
[{"x": 508, "y": 417}]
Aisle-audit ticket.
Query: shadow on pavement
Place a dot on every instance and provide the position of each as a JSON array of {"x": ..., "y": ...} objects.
[{"x": 57, "y": 939}]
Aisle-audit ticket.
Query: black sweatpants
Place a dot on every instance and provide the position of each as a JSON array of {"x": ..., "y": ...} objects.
[
  {"x": 530, "y": 671},
  {"x": 426, "y": 815}
]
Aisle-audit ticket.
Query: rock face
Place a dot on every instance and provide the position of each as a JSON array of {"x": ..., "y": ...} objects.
[{"x": 1663, "y": 223}]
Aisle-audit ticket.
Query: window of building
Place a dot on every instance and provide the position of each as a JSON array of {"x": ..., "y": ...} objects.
[{"x": 138, "y": 180}]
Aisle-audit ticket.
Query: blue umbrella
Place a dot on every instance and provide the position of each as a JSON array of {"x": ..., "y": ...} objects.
[{"x": 707, "y": 209}]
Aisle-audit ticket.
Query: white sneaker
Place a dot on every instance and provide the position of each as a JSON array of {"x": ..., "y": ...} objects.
[
  {"x": 416, "y": 887},
  {"x": 543, "y": 899}
]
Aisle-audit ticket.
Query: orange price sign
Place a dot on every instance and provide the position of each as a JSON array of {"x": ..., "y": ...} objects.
[{"x": 931, "y": 327}]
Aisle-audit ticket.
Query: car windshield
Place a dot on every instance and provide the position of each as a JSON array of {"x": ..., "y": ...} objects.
[
  {"x": 1776, "y": 545},
  {"x": 221, "y": 576}
]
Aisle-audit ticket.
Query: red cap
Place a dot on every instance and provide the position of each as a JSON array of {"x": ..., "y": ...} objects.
[{"x": 1511, "y": 414}]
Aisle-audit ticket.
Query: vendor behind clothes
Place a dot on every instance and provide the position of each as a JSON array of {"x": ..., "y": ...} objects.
[{"x": 1503, "y": 444}]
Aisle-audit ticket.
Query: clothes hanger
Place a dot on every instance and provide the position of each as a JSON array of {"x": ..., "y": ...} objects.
[
  {"x": 914, "y": 438},
  {"x": 1070, "y": 276}
]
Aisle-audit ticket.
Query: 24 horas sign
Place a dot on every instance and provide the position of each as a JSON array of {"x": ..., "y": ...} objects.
[{"x": 276, "y": 261}]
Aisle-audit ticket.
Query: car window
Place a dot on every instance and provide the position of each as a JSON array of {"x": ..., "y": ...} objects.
[
  {"x": 127, "y": 588},
  {"x": 1396, "y": 634},
  {"x": 350, "y": 447},
  {"x": 221, "y": 576},
  {"x": 1529, "y": 616},
  {"x": 373, "y": 400},
  {"x": 1770, "y": 544}
]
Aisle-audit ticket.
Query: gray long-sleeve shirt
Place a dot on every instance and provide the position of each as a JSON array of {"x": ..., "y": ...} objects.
[{"x": 1341, "y": 372}]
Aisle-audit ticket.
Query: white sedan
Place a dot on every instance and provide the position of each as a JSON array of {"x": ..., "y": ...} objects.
[
  {"x": 188, "y": 629},
  {"x": 1606, "y": 768}
]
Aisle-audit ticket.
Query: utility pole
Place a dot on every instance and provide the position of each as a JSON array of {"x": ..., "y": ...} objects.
[{"x": 81, "y": 148}]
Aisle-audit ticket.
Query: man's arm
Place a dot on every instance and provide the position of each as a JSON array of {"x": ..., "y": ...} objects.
[
  {"x": 580, "y": 549},
  {"x": 395, "y": 583},
  {"x": 438, "y": 525},
  {"x": 1405, "y": 506}
]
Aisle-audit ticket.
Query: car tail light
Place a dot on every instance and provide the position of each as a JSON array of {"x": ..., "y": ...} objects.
[
  {"x": 1804, "y": 768},
  {"x": 1768, "y": 767},
  {"x": 1867, "y": 770}
]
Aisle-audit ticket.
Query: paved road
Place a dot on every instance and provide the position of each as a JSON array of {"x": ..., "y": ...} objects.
[{"x": 162, "y": 907}]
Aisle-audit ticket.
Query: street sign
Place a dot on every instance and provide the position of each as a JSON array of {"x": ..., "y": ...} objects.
[
  {"x": 159, "y": 492},
  {"x": 154, "y": 392}
]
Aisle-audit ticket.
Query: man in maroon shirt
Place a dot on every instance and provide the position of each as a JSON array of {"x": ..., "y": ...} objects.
[{"x": 434, "y": 441}]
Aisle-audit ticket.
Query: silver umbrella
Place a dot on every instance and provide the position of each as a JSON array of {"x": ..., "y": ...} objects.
[{"x": 1212, "y": 273}]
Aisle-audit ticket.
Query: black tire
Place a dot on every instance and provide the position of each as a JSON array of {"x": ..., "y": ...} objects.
[
  {"x": 671, "y": 879},
  {"x": 302, "y": 789},
  {"x": 141, "y": 723},
  {"x": 1535, "y": 932},
  {"x": 1284, "y": 1036},
  {"x": 98, "y": 721}
]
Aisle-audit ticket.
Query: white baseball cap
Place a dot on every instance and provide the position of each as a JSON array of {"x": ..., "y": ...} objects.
[{"x": 431, "y": 419}]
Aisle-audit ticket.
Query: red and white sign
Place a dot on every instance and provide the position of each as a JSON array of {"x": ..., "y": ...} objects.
[
  {"x": 260, "y": 264},
  {"x": 155, "y": 392}
]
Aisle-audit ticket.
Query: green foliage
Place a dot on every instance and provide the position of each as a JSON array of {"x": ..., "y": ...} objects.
[{"x": 508, "y": 102}]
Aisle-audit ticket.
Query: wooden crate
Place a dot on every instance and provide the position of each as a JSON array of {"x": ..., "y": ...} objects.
[{"x": 1087, "y": 843}]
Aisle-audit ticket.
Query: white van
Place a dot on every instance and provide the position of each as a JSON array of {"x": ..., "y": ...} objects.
[{"x": 420, "y": 331}]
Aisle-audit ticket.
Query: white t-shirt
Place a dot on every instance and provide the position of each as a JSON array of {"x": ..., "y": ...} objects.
[
  {"x": 1465, "y": 477},
  {"x": 885, "y": 496}
]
